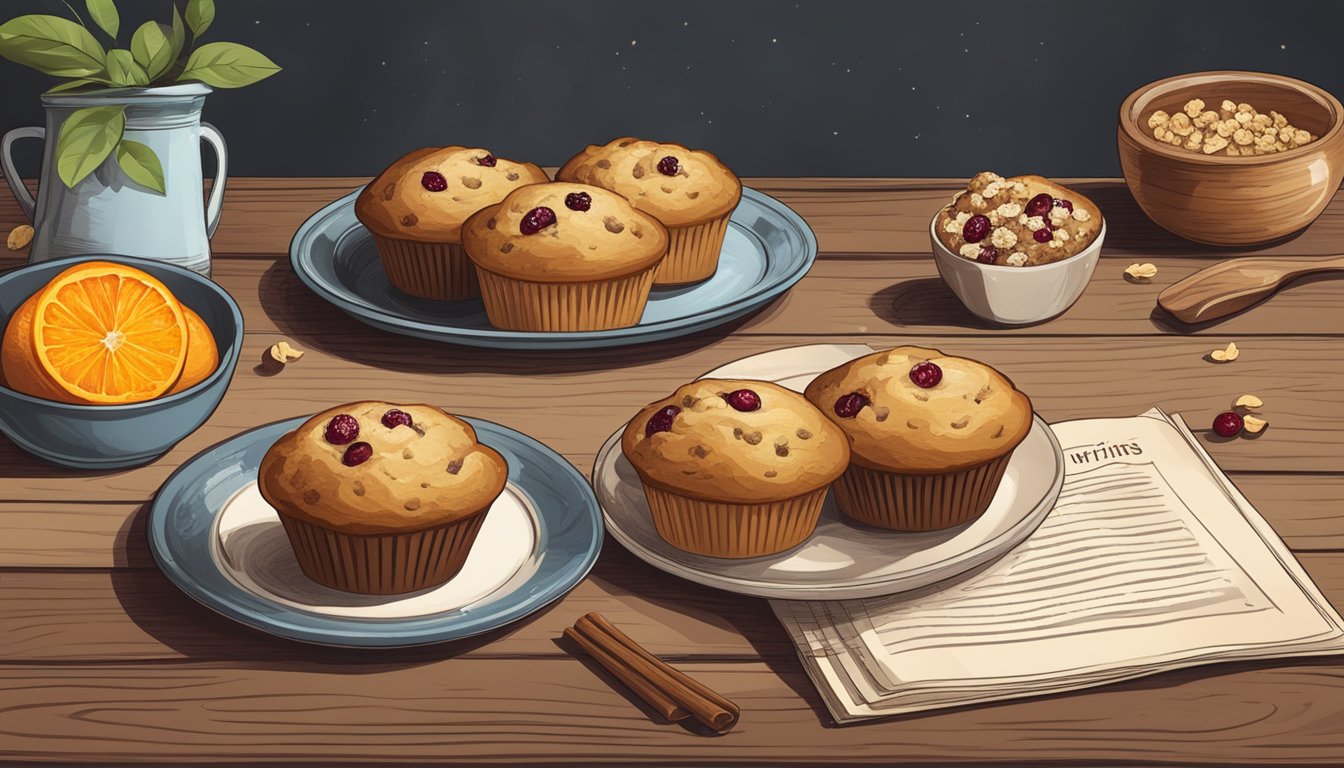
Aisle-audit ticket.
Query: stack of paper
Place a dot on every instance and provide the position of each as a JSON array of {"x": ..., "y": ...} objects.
[{"x": 1151, "y": 561}]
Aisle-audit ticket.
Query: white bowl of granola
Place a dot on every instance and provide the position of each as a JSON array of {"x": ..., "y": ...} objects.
[{"x": 1019, "y": 250}]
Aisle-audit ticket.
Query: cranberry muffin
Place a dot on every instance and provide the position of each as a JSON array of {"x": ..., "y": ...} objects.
[
  {"x": 380, "y": 498},
  {"x": 930, "y": 436},
  {"x": 1018, "y": 222},
  {"x": 734, "y": 468},
  {"x": 564, "y": 257},
  {"x": 415, "y": 211},
  {"x": 689, "y": 191}
]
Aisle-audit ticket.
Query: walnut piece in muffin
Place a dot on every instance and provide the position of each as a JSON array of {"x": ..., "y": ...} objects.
[{"x": 1018, "y": 222}]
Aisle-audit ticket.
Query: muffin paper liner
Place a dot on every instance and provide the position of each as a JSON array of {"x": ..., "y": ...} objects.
[
  {"x": 382, "y": 564},
  {"x": 726, "y": 529},
  {"x": 438, "y": 271},
  {"x": 693, "y": 252},
  {"x": 520, "y": 305},
  {"x": 918, "y": 502}
]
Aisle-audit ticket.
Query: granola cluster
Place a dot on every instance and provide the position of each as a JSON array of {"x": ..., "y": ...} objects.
[
  {"x": 1017, "y": 222},
  {"x": 1235, "y": 130}
]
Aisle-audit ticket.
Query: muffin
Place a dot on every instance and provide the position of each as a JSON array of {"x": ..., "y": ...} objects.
[
  {"x": 930, "y": 436},
  {"x": 379, "y": 498},
  {"x": 415, "y": 211},
  {"x": 1023, "y": 221},
  {"x": 689, "y": 191},
  {"x": 734, "y": 468},
  {"x": 564, "y": 257}
]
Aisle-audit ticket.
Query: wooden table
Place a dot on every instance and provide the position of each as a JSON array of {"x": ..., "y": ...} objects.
[{"x": 102, "y": 660}]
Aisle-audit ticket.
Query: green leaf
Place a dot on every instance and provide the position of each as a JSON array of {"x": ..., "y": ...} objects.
[
  {"x": 104, "y": 13},
  {"x": 179, "y": 34},
  {"x": 71, "y": 85},
  {"x": 141, "y": 165},
  {"x": 50, "y": 44},
  {"x": 200, "y": 15},
  {"x": 152, "y": 49},
  {"x": 228, "y": 65},
  {"x": 122, "y": 68},
  {"x": 87, "y": 138}
]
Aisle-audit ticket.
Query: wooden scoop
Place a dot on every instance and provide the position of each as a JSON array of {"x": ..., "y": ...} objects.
[{"x": 1236, "y": 284}]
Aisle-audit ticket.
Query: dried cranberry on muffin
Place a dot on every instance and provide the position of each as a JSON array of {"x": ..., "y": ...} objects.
[
  {"x": 380, "y": 498},
  {"x": 1022, "y": 221},
  {"x": 734, "y": 468},
  {"x": 930, "y": 436},
  {"x": 564, "y": 257},
  {"x": 415, "y": 210},
  {"x": 689, "y": 191}
]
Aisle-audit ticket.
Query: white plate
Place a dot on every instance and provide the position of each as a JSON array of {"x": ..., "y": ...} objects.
[{"x": 840, "y": 561}]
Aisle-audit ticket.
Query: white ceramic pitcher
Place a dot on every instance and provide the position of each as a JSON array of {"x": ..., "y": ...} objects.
[{"x": 106, "y": 212}]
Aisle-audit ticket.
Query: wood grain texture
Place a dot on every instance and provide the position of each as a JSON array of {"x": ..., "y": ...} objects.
[
  {"x": 848, "y": 215},
  {"x": 574, "y": 403},
  {"x": 564, "y": 711},
  {"x": 138, "y": 615},
  {"x": 1305, "y": 510},
  {"x": 872, "y": 294}
]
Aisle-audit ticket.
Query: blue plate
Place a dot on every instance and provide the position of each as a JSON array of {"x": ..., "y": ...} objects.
[
  {"x": 767, "y": 249},
  {"x": 561, "y": 521}
]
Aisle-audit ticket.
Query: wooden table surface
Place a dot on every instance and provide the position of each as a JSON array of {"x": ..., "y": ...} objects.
[{"x": 102, "y": 660}]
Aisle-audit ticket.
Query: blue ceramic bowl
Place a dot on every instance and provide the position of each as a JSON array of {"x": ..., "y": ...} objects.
[{"x": 101, "y": 437}]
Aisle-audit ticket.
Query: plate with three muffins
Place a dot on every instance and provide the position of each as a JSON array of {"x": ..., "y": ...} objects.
[
  {"x": 376, "y": 525},
  {"x": 634, "y": 241},
  {"x": 831, "y": 472}
]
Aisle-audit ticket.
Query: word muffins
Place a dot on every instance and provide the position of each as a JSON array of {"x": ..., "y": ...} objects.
[
  {"x": 379, "y": 498},
  {"x": 734, "y": 468}
]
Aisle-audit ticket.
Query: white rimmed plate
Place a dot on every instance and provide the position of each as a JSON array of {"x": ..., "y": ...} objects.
[{"x": 841, "y": 560}]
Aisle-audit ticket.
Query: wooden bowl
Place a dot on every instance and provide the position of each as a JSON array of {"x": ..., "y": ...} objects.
[{"x": 1223, "y": 200}]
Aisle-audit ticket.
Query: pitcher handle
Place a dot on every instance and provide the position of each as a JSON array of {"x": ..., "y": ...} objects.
[
  {"x": 16, "y": 185},
  {"x": 211, "y": 135}
]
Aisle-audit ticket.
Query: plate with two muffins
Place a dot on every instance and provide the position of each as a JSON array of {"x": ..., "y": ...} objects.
[
  {"x": 633, "y": 241},
  {"x": 831, "y": 472},
  {"x": 375, "y": 524}
]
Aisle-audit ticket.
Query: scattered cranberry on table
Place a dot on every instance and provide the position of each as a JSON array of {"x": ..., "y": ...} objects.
[
  {"x": 488, "y": 161},
  {"x": 1042, "y": 235},
  {"x": 357, "y": 454},
  {"x": 342, "y": 429},
  {"x": 396, "y": 418},
  {"x": 988, "y": 255},
  {"x": 743, "y": 400},
  {"x": 1228, "y": 424},
  {"x": 1040, "y": 205},
  {"x": 669, "y": 166},
  {"x": 976, "y": 228},
  {"x": 536, "y": 220},
  {"x": 434, "y": 181},
  {"x": 926, "y": 375},
  {"x": 848, "y": 406},
  {"x": 578, "y": 201},
  {"x": 661, "y": 421}
]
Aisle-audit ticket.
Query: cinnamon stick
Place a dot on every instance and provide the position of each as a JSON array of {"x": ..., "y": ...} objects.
[{"x": 648, "y": 676}]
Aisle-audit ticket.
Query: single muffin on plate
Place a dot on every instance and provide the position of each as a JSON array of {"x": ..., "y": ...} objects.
[
  {"x": 379, "y": 498},
  {"x": 564, "y": 257},
  {"x": 688, "y": 190},
  {"x": 930, "y": 436},
  {"x": 734, "y": 468},
  {"x": 415, "y": 211}
]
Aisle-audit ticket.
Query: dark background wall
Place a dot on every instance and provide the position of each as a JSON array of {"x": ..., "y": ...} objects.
[{"x": 814, "y": 87}]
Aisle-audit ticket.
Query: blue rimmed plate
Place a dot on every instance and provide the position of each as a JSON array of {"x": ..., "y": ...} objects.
[
  {"x": 768, "y": 248},
  {"x": 214, "y": 536}
]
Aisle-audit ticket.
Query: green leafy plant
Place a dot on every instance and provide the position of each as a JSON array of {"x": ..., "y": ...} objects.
[{"x": 158, "y": 55}]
